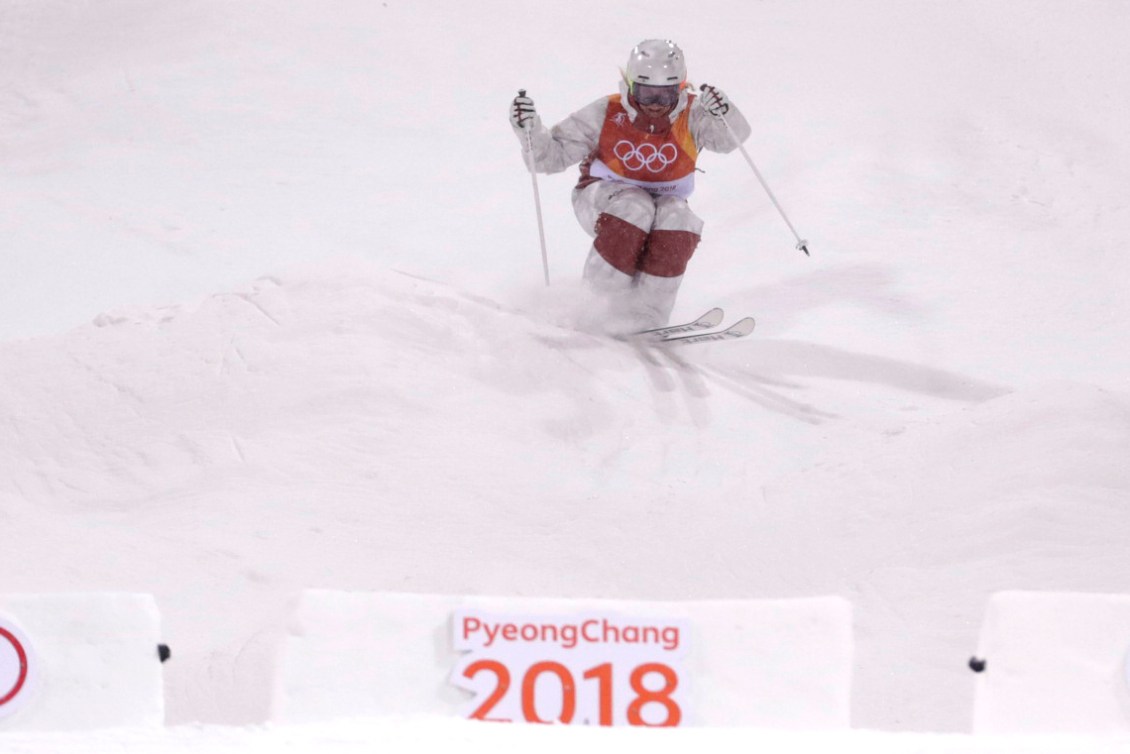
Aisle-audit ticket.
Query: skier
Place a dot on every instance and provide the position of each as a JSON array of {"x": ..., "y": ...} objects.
[{"x": 637, "y": 151}]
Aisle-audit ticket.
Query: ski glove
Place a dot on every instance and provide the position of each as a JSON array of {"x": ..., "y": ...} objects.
[
  {"x": 714, "y": 101},
  {"x": 522, "y": 112}
]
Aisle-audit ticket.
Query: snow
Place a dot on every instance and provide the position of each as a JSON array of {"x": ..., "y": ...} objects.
[
  {"x": 272, "y": 319},
  {"x": 412, "y": 734}
]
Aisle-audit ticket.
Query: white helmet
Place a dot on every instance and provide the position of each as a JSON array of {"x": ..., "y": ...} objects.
[{"x": 656, "y": 62}]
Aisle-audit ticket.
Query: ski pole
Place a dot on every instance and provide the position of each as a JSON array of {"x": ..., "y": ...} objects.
[
  {"x": 800, "y": 243},
  {"x": 529, "y": 154}
]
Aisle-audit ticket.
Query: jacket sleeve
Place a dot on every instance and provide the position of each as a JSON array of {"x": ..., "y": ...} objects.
[
  {"x": 570, "y": 141},
  {"x": 711, "y": 133}
]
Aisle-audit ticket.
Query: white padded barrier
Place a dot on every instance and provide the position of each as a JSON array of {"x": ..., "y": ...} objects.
[
  {"x": 783, "y": 664},
  {"x": 79, "y": 662},
  {"x": 1054, "y": 663}
]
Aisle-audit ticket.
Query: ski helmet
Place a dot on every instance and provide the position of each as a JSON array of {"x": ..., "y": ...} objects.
[{"x": 656, "y": 62}]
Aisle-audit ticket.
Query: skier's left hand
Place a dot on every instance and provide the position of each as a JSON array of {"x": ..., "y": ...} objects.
[
  {"x": 523, "y": 114},
  {"x": 714, "y": 101}
]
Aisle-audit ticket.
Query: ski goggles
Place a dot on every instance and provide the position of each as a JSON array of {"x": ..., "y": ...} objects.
[{"x": 667, "y": 96}]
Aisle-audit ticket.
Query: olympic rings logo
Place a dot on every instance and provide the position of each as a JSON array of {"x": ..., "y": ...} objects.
[
  {"x": 653, "y": 158},
  {"x": 14, "y": 668}
]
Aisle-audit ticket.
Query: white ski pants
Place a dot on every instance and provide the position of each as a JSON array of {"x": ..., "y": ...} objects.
[{"x": 640, "y": 249}]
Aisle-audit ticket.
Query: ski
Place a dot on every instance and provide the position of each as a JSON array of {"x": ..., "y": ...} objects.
[
  {"x": 739, "y": 329},
  {"x": 712, "y": 318}
]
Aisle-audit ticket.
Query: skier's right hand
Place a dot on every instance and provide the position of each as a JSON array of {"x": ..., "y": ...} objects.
[{"x": 522, "y": 113}]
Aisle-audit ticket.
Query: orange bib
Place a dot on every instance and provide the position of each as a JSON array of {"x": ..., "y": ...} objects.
[{"x": 660, "y": 164}]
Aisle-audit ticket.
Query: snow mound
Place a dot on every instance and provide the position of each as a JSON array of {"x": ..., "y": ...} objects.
[{"x": 351, "y": 427}]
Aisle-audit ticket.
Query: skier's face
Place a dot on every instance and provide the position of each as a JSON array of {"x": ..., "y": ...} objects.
[
  {"x": 655, "y": 101},
  {"x": 656, "y": 111}
]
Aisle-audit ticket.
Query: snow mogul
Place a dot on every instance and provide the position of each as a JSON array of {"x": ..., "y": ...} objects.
[{"x": 637, "y": 152}]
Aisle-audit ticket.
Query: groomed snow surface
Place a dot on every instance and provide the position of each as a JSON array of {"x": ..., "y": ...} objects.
[{"x": 273, "y": 319}]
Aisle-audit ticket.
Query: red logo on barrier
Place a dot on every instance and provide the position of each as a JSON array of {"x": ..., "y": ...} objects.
[{"x": 13, "y": 675}]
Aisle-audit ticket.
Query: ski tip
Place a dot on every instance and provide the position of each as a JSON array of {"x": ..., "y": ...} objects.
[
  {"x": 743, "y": 326},
  {"x": 712, "y": 318}
]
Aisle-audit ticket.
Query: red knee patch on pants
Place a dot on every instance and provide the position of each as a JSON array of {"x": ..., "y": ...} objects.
[
  {"x": 619, "y": 242},
  {"x": 668, "y": 252}
]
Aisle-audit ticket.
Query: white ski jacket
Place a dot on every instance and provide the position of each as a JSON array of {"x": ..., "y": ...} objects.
[{"x": 577, "y": 138}]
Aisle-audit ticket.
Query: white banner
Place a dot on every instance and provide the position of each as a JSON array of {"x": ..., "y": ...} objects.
[
  {"x": 1054, "y": 663},
  {"x": 783, "y": 664},
  {"x": 79, "y": 662}
]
